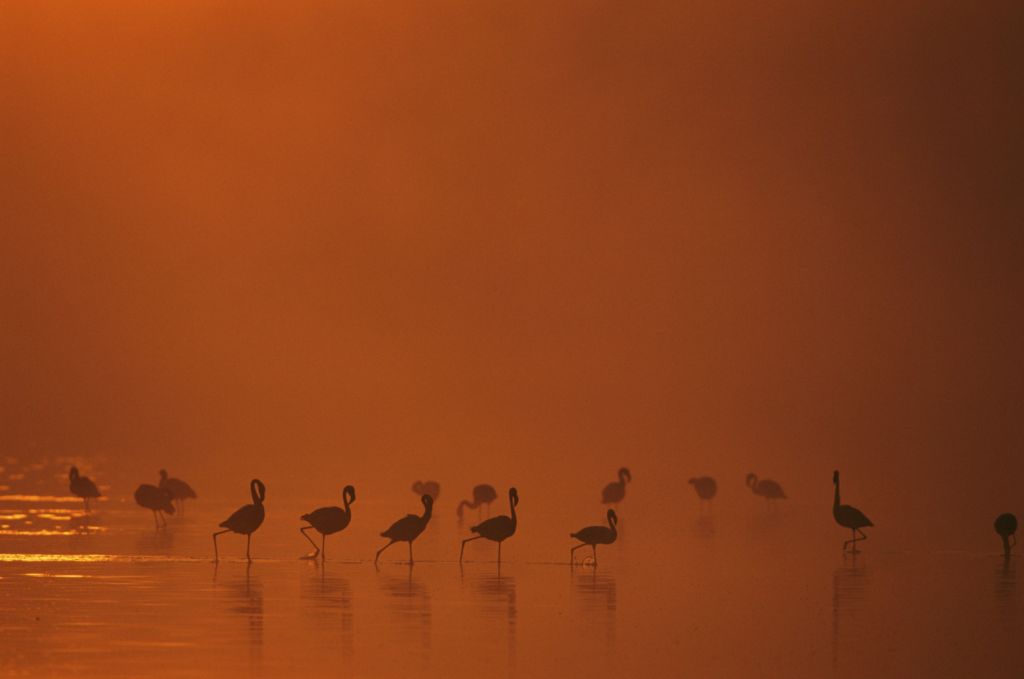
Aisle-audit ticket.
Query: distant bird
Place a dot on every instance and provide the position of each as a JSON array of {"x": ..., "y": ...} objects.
[
  {"x": 484, "y": 494},
  {"x": 768, "y": 489},
  {"x": 329, "y": 520},
  {"x": 497, "y": 529},
  {"x": 408, "y": 528},
  {"x": 849, "y": 517},
  {"x": 705, "y": 487},
  {"x": 595, "y": 535},
  {"x": 179, "y": 490},
  {"x": 431, "y": 488},
  {"x": 1006, "y": 526},
  {"x": 616, "y": 490},
  {"x": 246, "y": 519},
  {"x": 158, "y": 500},
  {"x": 83, "y": 487}
]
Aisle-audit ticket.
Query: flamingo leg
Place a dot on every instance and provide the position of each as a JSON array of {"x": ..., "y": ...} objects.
[
  {"x": 594, "y": 548},
  {"x": 464, "y": 545},
  {"x": 499, "y": 552},
  {"x": 323, "y": 546},
  {"x": 410, "y": 552},
  {"x": 216, "y": 556},
  {"x": 156, "y": 524},
  {"x": 248, "y": 543},
  {"x": 572, "y": 552},
  {"x": 306, "y": 535},
  {"x": 381, "y": 550}
]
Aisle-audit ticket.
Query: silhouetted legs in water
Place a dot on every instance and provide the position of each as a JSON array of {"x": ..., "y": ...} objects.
[
  {"x": 319, "y": 550},
  {"x": 572, "y": 553},
  {"x": 248, "y": 542},
  {"x": 156, "y": 520},
  {"x": 477, "y": 537},
  {"x": 855, "y": 540},
  {"x": 388, "y": 545}
]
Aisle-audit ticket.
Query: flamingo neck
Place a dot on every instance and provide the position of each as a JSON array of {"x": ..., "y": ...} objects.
[
  {"x": 835, "y": 502},
  {"x": 512, "y": 508},
  {"x": 427, "y": 511}
]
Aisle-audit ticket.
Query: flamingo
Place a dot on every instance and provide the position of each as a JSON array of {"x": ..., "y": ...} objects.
[
  {"x": 595, "y": 535},
  {"x": 246, "y": 518},
  {"x": 766, "y": 488},
  {"x": 83, "y": 487},
  {"x": 1006, "y": 526},
  {"x": 849, "y": 517},
  {"x": 156, "y": 499},
  {"x": 408, "y": 528},
  {"x": 179, "y": 490},
  {"x": 484, "y": 494},
  {"x": 705, "y": 487},
  {"x": 615, "y": 491},
  {"x": 431, "y": 488},
  {"x": 329, "y": 520},
  {"x": 497, "y": 529}
]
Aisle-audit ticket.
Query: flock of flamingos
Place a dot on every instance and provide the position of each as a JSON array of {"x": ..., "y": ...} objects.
[{"x": 171, "y": 492}]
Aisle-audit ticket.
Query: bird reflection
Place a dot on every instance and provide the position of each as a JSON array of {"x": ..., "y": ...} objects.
[
  {"x": 498, "y": 594},
  {"x": 245, "y": 595},
  {"x": 330, "y": 597},
  {"x": 849, "y": 589},
  {"x": 1005, "y": 587},
  {"x": 597, "y": 597},
  {"x": 704, "y": 526},
  {"x": 410, "y": 604}
]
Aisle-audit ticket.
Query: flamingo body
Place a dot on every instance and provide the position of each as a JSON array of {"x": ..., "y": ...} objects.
[
  {"x": 705, "y": 487},
  {"x": 156, "y": 500},
  {"x": 848, "y": 516},
  {"x": 483, "y": 494},
  {"x": 82, "y": 486},
  {"x": 409, "y": 527},
  {"x": 246, "y": 519},
  {"x": 615, "y": 491},
  {"x": 179, "y": 490},
  {"x": 329, "y": 520},
  {"x": 1006, "y": 527},
  {"x": 496, "y": 529},
  {"x": 766, "y": 488}
]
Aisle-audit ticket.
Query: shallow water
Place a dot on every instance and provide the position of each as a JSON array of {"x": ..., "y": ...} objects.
[{"x": 739, "y": 590}]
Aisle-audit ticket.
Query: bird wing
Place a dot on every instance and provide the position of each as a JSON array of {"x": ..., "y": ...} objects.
[
  {"x": 241, "y": 518},
  {"x": 87, "y": 488},
  {"x": 851, "y": 517},
  {"x": 402, "y": 527},
  {"x": 324, "y": 516},
  {"x": 499, "y": 526}
]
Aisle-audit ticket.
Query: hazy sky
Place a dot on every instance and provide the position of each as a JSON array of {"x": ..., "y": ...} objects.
[{"x": 683, "y": 236}]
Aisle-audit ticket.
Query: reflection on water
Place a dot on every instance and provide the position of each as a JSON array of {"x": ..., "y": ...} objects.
[
  {"x": 704, "y": 526},
  {"x": 330, "y": 604},
  {"x": 497, "y": 593},
  {"x": 1006, "y": 588},
  {"x": 596, "y": 598},
  {"x": 849, "y": 589},
  {"x": 245, "y": 600},
  {"x": 409, "y": 605}
]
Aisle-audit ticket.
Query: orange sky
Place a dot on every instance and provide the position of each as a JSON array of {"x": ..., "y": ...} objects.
[{"x": 475, "y": 235}]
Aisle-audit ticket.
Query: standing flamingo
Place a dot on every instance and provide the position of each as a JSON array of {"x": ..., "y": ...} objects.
[
  {"x": 497, "y": 529},
  {"x": 705, "y": 487},
  {"x": 158, "y": 500},
  {"x": 83, "y": 487},
  {"x": 179, "y": 490},
  {"x": 768, "y": 489},
  {"x": 431, "y": 488},
  {"x": 595, "y": 535},
  {"x": 246, "y": 519},
  {"x": 615, "y": 491},
  {"x": 1006, "y": 526},
  {"x": 329, "y": 520},
  {"x": 484, "y": 494},
  {"x": 408, "y": 528},
  {"x": 849, "y": 517}
]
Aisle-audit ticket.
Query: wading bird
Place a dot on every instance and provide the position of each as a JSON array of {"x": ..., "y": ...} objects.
[
  {"x": 157, "y": 500},
  {"x": 246, "y": 519},
  {"x": 497, "y": 529},
  {"x": 328, "y": 521},
  {"x": 484, "y": 494},
  {"x": 431, "y": 488},
  {"x": 849, "y": 517},
  {"x": 83, "y": 487},
  {"x": 768, "y": 489},
  {"x": 1006, "y": 526},
  {"x": 616, "y": 490},
  {"x": 179, "y": 490},
  {"x": 407, "y": 528},
  {"x": 705, "y": 487},
  {"x": 595, "y": 535}
]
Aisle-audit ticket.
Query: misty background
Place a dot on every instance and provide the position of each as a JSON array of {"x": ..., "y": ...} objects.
[{"x": 374, "y": 243}]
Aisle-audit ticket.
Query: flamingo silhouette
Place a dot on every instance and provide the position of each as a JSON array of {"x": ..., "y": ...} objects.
[
  {"x": 158, "y": 500},
  {"x": 849, "y": 517},
  {"x": 431, "y": 488},
  {"x": 615, "y": 491},
  {"x": 408, "y": 528},
  {"x": 329, "y": 520},
  {"x": 246, "y": 518},
  {"x": 497, "y": 529},
  {"x": 595, "y": 535},
  {"x": 766, "y": 488},
  {"x": 83, "y": 487},
  {"x": 484, "y": 494},
  {"x": 179, "y": 490},
  {"x": 1006, "y": 526},
  {"x": 705, "y": 487}
]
